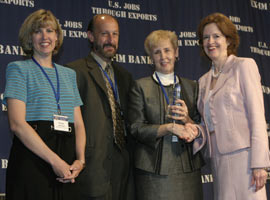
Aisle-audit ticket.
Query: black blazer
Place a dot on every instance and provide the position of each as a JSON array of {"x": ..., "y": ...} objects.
[{"x": 97, "y": 117}]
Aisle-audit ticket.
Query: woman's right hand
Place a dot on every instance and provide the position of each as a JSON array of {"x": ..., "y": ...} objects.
[
  {"x": 75, "y": 169},
  {"x": 179, "y": 131},
  {"x": 186, "y": 132}
]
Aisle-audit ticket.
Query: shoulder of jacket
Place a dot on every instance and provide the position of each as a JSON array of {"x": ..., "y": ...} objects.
[
  {"x": 241, "y": 64},
  {"x": 203, "y": 77},
  {"x": 144, "y": 80},
  {"x": 121, "y": 69},
  {"x": 188, "y": 81},
  {"x": 76, "y": 63}
]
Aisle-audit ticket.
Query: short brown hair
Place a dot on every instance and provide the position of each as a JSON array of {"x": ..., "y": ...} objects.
[
  {"x": 227, "y": 28},
  {"x": 159, "y": 35},
  {"x": 36, "y": 20}
]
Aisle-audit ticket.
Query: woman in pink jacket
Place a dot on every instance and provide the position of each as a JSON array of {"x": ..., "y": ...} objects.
[{"x": 231, "y": 104}]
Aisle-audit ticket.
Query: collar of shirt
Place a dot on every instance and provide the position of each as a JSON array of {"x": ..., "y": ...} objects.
[
  {"x": 102, "y": 63},
  {"x": 165, "y": 79}
]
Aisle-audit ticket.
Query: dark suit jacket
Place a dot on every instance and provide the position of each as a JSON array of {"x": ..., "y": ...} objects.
[
  {"x": 97, "y": 117},
  {"x": 146, "y": 114}
]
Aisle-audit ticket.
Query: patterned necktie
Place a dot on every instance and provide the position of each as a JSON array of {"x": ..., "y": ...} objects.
[{"x": 118, "y": 128}]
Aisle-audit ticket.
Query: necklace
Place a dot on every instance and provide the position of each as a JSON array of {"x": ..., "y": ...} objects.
[{"x": 217, "y": 74}]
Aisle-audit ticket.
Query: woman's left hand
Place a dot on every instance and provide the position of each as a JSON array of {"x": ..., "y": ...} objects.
[
  {"x": 259, "y": 177},
  {"x": 76, "y": 167},
  {"x": 180, "y": 111}
]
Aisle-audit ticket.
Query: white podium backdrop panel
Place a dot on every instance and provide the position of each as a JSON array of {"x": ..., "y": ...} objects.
[{"x": 137, "y": 18}]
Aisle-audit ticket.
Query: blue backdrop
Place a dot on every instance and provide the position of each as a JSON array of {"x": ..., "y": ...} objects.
[{"x": 137, "y": 18}]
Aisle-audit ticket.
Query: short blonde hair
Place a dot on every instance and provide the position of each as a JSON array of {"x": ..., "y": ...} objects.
[
  {"x": 40, "y": 18},
  {"x": 159, "y": 35}
]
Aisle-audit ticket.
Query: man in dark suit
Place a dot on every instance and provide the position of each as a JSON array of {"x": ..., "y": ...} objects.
[{"x": 108, "y": 167}]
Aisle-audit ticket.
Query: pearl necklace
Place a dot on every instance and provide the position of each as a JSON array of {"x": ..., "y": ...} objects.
[{"x": 217, "y": 74}]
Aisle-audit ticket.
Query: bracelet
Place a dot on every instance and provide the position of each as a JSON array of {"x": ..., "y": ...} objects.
[
  {"x": 199, "y": 133},
  {"x": 82, "y": 162}
]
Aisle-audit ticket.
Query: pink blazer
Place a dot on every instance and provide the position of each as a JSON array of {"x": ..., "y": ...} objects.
[{"x": 237, "y": 111}]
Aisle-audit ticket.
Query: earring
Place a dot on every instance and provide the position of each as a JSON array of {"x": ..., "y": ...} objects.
[
  {"x": 152, "y": 62},
  {"x": 152, "y": 65},
  {"x": 176, "y": 58}
]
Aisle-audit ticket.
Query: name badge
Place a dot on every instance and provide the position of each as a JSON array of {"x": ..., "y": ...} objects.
[
  {"x": 174, "y": 138},
  {"x": 60, "y": 123}
]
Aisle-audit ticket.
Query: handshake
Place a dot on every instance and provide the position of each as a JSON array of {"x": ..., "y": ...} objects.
[
  {"x": 187, "y": 132},
  {"x": 179, "y": 112}
]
